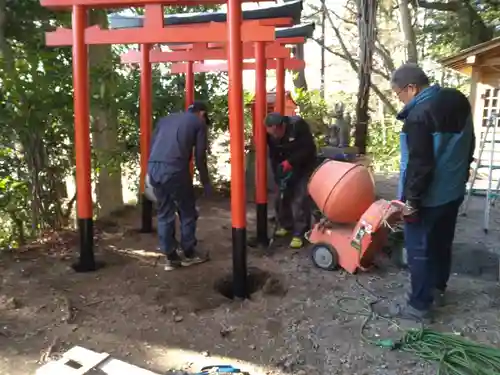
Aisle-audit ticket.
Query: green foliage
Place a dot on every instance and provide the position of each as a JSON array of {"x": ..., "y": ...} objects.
[
  {"x": 447, "y": 32},
  {"x": 36, "y": 117},
  {"x": 13, "y": 198},
  {"x": 314, "y": 110},
  {"x": 35, "y": 121},
  {"x": 383, "y": 145}
]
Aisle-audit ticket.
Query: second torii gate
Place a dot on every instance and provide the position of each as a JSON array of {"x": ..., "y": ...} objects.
[
  {"x": 284, "y": 36},
  {"x": 289, "y": 63},
  {"x": 260, "y": 66},
  {"x": 190, "y": 53}
]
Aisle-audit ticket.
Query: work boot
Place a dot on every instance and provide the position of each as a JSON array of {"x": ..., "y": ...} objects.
[
  {"x": 408, "y": 312},
  {"x": 281, "y": 232},
  {"x": 439, "y": 298},
  {"x": 190, "y": 258},
  {"x": 172, "y": 262},
  {"x": 297, "y": 242}
]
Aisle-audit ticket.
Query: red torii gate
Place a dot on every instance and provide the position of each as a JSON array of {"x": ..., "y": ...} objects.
[
  {"x": 189, "y": 53},
  {"x": 280, "y": 67},
  {"x": 212, "y": 51},
  {"x": 261, "y": 64},
  {"x": 290, "y": 63},
  {"x": 154, "y": 31},
  {"x": 201, "y": 52}
]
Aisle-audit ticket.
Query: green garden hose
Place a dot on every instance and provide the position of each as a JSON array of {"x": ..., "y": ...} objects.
[{"x": 456, "y": 355}]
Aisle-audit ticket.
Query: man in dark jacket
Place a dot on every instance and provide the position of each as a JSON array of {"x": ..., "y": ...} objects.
[
  {"x": 292, "y": 152},
  {"x": 437, "y": 146},
  {"x": 173, "y": 141}
]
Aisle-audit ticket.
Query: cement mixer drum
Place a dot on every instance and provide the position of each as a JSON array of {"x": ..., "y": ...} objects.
[{"x": 342, "y": 191}]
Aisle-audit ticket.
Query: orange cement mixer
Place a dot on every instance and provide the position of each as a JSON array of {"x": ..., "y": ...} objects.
[{"x": 353, "y": 226}]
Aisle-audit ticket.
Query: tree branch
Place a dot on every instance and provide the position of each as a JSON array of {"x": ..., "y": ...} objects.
[
  {"x": 385, "y": 55},
  {"x": 350, "y": 22},
  {"x": 69, "y": 207},
  {"x": 354, "y": 66},
  {"x": 451, "y": 6},
  {"x": 312, "y": 15},
  {"x": 348, "y": 58}
]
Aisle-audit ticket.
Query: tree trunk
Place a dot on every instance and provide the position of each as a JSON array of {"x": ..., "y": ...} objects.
[
  {"x": 355, "y": 65},
  {"x": 323, "y": 62},
  {"x": 104, "y": 125},
  {"x": 367, "y": 10},
  {"x": 410, "y": 40}
]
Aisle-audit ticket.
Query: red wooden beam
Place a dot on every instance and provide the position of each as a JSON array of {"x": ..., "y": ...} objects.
[
  {"x": 58, "y": 4},
  {"x": 290, "y": 64},
  {"x": 280, "y": 41},
  {"x": 187, "y": 46},
  {"x": 279, "y": 105},
  {"x": 201, "y": 33},
  {"x": 158, "y": 56}
]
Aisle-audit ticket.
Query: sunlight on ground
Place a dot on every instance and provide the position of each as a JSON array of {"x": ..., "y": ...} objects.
[
  {"x": 160, "y": 358},
  {"x": 187, "y": 360}
]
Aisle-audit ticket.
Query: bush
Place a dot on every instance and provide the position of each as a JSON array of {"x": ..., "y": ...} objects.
[{"x": 383, "y": 145}]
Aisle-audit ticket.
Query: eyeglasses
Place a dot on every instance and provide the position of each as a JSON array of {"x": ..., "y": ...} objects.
[{"x": 403, "y": 89}]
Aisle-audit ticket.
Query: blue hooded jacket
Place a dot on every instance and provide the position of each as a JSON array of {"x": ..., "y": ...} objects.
[
  {"x": 437, "y": 146},
  {"x": 172, "y": 145}
]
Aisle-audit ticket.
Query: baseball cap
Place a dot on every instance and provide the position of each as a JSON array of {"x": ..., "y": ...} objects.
[
  {"x": 409, "y": 74},
  {"x": 273, "y": 119},
  {"x": 198, "y": 106}
]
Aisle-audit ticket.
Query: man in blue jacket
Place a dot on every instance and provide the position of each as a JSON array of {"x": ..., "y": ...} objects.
[
  {"x": 437, "y": 146},
  {"x": 172, "y": 145}
]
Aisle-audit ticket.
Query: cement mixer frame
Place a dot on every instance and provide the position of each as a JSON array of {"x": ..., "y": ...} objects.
[{"x": 354, "y": 226}]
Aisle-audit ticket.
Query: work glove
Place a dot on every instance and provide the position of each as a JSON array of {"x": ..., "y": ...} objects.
[
  {"x": 410, "y": 212},
  {"x": 285, "y": 167},
  {"x": 284, "y": 174}
]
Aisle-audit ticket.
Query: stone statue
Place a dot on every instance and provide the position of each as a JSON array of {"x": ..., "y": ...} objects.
[
  {"x": 343, "y": 123},
  {"x": 333, "y": 135},
  {"x": 339, "y": 134}
]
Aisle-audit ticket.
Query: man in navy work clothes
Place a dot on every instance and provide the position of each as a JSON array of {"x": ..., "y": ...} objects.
[
  {"x": 437, "y": 146},
  {"x": 174, "y": 138},
  {"x": 292, "y": 153}
]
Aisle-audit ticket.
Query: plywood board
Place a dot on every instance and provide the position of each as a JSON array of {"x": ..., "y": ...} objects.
[{"x": 81, "y": 361}]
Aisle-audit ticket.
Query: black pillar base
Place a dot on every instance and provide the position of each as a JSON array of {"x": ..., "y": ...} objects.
[
  {"x": 147, "y": 215},
  {"x": 261, "y": 239},
  {"x": 87, "y": 262},
  {"x": 240, "y": 286}
]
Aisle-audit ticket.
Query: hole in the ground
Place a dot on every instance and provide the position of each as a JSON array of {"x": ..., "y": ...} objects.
[{"x": 256, "y": 278}]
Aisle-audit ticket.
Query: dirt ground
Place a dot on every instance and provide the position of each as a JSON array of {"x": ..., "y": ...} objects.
[{"x": 177, "y": 321}]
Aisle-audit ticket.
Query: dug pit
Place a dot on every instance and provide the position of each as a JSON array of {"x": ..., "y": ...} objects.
[{"x": 256, "y": 279}]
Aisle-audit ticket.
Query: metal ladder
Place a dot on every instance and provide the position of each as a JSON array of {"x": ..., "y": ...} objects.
[{"x": 491, "y": 194}]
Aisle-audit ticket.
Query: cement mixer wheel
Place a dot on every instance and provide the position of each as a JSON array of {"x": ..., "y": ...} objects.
[{"x": 325, "y": 256}]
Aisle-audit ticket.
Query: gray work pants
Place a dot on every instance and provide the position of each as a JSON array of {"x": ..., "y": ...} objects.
[{"x": 293, "y": 210}]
